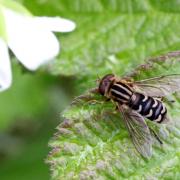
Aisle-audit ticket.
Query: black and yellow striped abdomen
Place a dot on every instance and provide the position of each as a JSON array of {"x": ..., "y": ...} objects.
[
  {"x": 148, "y": 107},
  {"x": 121, "y": 93}
]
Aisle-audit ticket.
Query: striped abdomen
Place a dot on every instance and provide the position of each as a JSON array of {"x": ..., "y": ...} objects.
[
  {"x": 121, "y": 93},
  {"x": 148, "y": 107}
]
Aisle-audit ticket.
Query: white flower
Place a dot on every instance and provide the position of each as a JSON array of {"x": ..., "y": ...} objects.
[{"x": 30, "y": 39}]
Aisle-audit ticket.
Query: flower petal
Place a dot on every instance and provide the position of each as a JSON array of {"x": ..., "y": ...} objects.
[
  {"x": 32, "y": 44},
  {"x": 5, "y": 67},
  {"x": 55, "y": 24}
]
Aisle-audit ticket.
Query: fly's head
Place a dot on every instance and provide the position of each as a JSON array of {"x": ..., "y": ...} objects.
[{"x": 105, "y": 83}]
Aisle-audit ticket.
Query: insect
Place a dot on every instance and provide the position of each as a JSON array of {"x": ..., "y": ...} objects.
[{"x": 138, "y": 100}]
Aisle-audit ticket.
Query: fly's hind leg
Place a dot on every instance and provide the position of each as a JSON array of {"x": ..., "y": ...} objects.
[
  {"x": 168, "y": 101},
  {"x": 165, "y": 99}
]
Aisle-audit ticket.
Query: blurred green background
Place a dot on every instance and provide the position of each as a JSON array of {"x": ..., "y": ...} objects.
[
  {"x": 29, "y": 112},
  {"x": 108, "y": 33}
]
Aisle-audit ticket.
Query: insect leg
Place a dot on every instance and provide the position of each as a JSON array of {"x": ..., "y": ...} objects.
[
  {"x": 88, "y": 96},
  {"x": 168, "y": 100}
]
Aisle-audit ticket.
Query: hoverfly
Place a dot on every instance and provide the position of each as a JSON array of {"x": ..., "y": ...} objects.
[{"x": 138, "y": 100}]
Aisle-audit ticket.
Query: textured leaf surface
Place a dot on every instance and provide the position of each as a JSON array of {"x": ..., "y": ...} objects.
[
  {"x": 111, "y": 36},
  {"x": 92, "y": 142},
  {"x": 111, "y": 33}
]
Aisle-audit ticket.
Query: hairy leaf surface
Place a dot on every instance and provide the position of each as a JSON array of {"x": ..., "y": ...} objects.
[{"x": 93, "y": 143}]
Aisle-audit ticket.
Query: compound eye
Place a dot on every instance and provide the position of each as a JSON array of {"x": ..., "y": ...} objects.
[
  {"x": 105, "y": 82},
  {"x": 102, "y": 88}
]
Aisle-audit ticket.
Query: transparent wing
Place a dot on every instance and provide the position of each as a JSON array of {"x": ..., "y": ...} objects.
[
  {"x": 138, "y": 131},
  {"x": 159, "y": 86}
]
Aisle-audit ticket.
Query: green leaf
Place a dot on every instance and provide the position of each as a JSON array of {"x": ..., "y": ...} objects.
[
  {"x": 93, "y": 143},
  {"x": 129, "y": 32},
  {"x": 111, "y": 36},
  {"x": 114, "y": 40}
]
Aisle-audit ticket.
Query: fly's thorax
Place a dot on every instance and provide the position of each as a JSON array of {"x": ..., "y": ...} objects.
[
  {"x": 120, "y": 92},
  {"x": 149, "y": 107}
]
